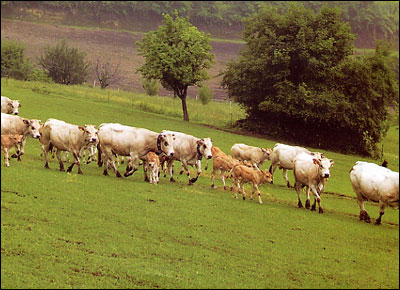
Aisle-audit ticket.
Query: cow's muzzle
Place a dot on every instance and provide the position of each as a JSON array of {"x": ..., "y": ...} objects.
[
  {"x": 326, "y": 175},
  {"x": 209, "y": 156},
  {"x": 15, "y": 113},
  {"x": 171, "y": 154}
]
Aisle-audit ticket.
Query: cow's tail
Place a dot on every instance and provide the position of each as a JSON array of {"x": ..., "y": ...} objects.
[
  {"x": 51, "y": 147},
  {"x": 270, "y": 168},
  {"x": 99, "y": 161}
]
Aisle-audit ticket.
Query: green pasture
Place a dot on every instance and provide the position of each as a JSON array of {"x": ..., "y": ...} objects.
[{"x": 64, "y": 230}]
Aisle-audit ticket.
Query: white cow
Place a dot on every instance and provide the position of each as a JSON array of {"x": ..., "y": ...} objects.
[
  {"x": 66, "y": 137},
  {"x": 312, "y": 172},
  {"x": 189, "y": 150},
  {"x": 11, "y": 124},
  {"x": 9, "y": 106},
  {"x": 255, "y": 155},
  {"x": 129, "y": 141},
  {"x": 283, "y": 155},
  {"x": 375, "y": 183}
]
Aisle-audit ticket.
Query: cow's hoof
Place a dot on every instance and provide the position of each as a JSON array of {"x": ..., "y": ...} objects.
[
  {"x": 62, "y": 169},
  {"x": 172, "y": 179},
  {"x": 308, "y": 204},
  {"x": 118, "y": 174},
  {"x": 14, "y": 155},
  {"x": 321, "y": 210}
]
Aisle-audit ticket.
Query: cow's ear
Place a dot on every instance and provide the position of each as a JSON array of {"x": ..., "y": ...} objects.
[
  {"x": 199, "y": 141},
  {"x": 315, "y": 161},
  {"x": 19, "y": 105},
  {"x": 82, "y": 129},
  {"x": 332, "y": 162},
  {"x": 26, "y": 122},
  {"x": 263, "y": 150}
]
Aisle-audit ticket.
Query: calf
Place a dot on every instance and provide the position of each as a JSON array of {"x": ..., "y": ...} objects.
[
  {"x": 375, "y": 183},
  {"x": 9, "y": 106},
  {"x": 255, "y": 155},
  {"x": 66, "y": 137},
  {"x": 153, "y": 166},
  {"x": 312, "y": 172},
  {"x": 7, "y": 142},
  {"x": 189, "y": 150},
  {"x": 11, "y": 124},
  {"x": 243, "y": 174}
]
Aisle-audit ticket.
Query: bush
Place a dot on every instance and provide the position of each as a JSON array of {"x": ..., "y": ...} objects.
[
  {"x": 65, "y": 65},
  {"x": 150, "y": 86},
  {"x": 13, "y": 61},
  {"x": 205, "y": 94}
]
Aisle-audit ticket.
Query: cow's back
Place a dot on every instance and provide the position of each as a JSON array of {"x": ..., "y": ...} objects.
[
  {"x": 285, "y": 154},
  {"x": 11, "y": 124}
]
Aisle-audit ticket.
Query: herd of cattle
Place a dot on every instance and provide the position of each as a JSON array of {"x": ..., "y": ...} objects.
[{"x": 160, "y": 150}]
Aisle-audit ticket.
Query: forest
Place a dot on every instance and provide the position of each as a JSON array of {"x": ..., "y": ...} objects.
[{"x": 369, "y": 20}]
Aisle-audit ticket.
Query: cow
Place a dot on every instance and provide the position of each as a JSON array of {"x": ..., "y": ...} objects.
[
  {"x": 123, "y": 140},
  {"x": 255, "y": 155},
  {"x": 313, "y": 172},
  {"x": 189, "y": 150},
  {"x": 7, "y": 142},
  {"x": 9, "y": 106},
  {"x": 153, "y": 166},
  {"x": 244, "y": 174},
  {"x": 375, "y": 183},
  {"x": 66, "y": 137},
  {"x": 283, "y": 155},
  {"x": 11, "y": 124}
]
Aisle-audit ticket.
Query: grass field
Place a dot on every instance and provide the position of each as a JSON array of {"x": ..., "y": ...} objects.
[{"x": 61, "y": 230}]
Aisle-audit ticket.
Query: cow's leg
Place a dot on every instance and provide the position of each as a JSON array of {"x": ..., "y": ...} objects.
[
  {"x": 223, "y": 178},
  {"x": 316, "y": 192},
  {"x": 236, "y": 183},
  {"x": 145, "y": 167},
  {"x": 308, "y": 199},
  {"x": 284, "y": 172},
  {"x": 297, "y": 186},
  {"x": 170, "y": 170},
  {"x": 6, "y": 159},
  {"x": 46, "y": 149},
  {"x": 135, "y": 165},
  {"x": 258, "y": 193},
  {"x": 272, "y": 169},
  {"x": 243, "y": 191},
  {"x": 60, "y": 160},
  {"x": 215, "y": 170},
  {"x": 363, "y": 213},
  {"x": 198, "y": 166},
  {"x": 77, "y": 162},
  {"x": 381, "y": 212}
]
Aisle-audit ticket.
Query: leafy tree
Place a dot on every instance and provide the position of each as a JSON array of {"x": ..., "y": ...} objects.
[
  {"x": 291, "y": 77},
  {"x": 150, "y": 86},
  {"x": 13, "y": 61},
  {"x": 205, "y": 94},
  {"x": 177, "y": 54},
  {"x": 65, "y": 65}
]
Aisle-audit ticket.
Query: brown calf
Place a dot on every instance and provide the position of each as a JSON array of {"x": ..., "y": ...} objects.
[
  {"x": 7, "y": 142},
  {"x": 243, "y": 174}
]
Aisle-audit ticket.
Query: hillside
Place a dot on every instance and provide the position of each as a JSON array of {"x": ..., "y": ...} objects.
[{"x": 112, "y": 46}]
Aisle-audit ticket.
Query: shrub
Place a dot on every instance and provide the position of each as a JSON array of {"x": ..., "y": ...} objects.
[
  {"x": 65, "y": 65},
  {"x": 13, "y": 61},
  {"x": 150, "y": 86},
  {"x": 205, "y": 94}
]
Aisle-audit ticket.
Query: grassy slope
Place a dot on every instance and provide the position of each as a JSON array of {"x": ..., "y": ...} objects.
[{"x": 90, "y": 231}]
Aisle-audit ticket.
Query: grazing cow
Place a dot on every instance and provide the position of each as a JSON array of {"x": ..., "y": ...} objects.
[
  {"x": 255, "y": 155},
  {"x": 189, "y": 150},
  {"x": 283, "y": 155},
  {"x": 313, "y": 172},
  {"x": 129, "y": 141},
  {"x": 244, "y": 174},
  {"x": 7, "y": 142},
  {"x": 375, "y": 183},
  {"x": 11, "y": 124},
  {"x": 66, "y": 137},
  {"x": 153, "y": 166},
  {"x": 9, "y": 106}
]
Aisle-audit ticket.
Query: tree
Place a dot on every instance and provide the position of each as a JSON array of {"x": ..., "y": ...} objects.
[
  {"x": 177, "y": 54},
  {"x": 290, "y": 78},
  {"x": 107, "y": 73},
  {"x": 65, "y": 65}
]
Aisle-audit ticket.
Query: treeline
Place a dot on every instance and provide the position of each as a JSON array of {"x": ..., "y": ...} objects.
[{"x": 369, "y": 20}]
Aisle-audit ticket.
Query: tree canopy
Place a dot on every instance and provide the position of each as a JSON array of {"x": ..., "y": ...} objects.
[
  {"x": 297, "y": 80},
  {"x": 177, "y": 54}
]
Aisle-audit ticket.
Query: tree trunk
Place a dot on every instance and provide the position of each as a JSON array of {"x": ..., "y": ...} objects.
[{"x": 182, "y": 95}]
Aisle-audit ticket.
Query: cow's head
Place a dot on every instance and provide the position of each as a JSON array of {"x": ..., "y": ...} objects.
[
  {"x": 204, "y": 147},
  {"x": 89, "y": 133},
  {"x": 267, "y": 176},
  {"x": 325, "y": 165},
  {"x": 267, "y": 153},
  {"x": 33, "y": 127},
  {"x": 12, "y": 107},
  {"x": 165, "y": 143},
  {"x": 17, "y": 138}
]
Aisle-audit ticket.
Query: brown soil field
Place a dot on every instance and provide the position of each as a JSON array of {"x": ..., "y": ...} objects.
[{"x": 114, "y": 47}]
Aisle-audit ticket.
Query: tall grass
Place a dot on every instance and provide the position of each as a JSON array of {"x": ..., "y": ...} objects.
[{"x": 63, "y": 230}]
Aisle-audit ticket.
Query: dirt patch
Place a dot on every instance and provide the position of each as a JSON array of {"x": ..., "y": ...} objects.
[{"x": 112, "y": 46}]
